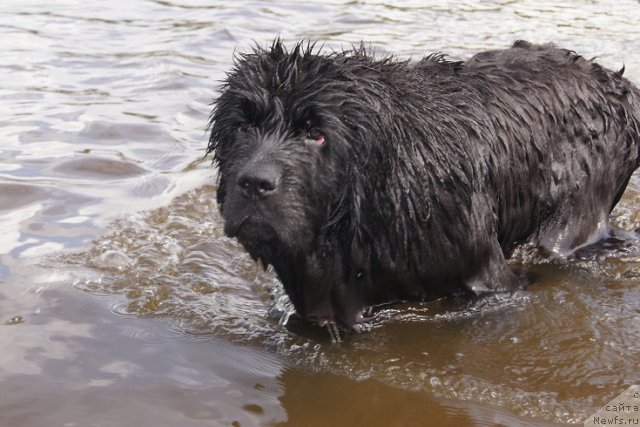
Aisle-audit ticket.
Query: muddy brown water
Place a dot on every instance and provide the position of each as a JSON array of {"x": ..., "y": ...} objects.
[{"x": 122, "y": 303}]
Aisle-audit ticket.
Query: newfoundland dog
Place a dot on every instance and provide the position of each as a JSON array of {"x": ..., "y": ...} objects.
[{"x": 370, "y": 180}]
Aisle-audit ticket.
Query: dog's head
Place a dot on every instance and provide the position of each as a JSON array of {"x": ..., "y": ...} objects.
[
  {"x": 280, "y": 131},
  {"x": 292, "y": 133}
]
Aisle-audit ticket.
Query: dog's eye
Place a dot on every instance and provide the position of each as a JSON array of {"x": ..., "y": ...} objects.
[
  {"x": 316, "y": 136},
  {"x": 243, "y": 127}
]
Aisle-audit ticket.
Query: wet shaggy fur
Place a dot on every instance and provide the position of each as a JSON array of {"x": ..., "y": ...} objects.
[{"x": 367, "y": 181}]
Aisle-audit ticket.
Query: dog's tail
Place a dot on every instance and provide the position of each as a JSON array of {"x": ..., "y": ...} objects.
[
  {"x": 632, "y": 103},
  {"x": 628, "y": 98}
]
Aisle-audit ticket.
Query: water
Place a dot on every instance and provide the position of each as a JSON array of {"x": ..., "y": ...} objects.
[{"x": 122, "y": 303}]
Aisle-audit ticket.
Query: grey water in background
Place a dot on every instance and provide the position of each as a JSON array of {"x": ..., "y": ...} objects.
[{"x": 122, "y": 303}]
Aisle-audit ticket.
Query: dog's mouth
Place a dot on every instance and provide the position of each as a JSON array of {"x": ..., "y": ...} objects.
[
  {"x": 251, "y": 228},
  {"x": 256, "y": 233}
]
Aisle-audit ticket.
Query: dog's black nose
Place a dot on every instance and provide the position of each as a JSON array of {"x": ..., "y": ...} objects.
[{"x": 258, "y": 181}]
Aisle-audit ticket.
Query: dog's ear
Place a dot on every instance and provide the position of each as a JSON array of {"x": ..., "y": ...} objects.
[
  {"x": 359, "y": 254},
  {"x": 360, "y": 232}
]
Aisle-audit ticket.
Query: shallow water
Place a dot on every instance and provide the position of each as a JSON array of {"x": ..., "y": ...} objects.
[{"x": 122, "y": 302}]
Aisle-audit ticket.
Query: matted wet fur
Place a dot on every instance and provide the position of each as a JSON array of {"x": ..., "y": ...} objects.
[{"x": 367, "y": 180}]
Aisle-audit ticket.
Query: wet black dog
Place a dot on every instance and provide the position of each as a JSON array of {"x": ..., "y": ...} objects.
[{"x": 366, "y": 181}]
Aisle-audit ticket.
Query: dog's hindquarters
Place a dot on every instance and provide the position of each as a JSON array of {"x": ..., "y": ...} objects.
[{"x": 570, "y": 130}]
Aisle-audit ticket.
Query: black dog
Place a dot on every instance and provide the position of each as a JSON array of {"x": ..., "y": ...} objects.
[{"x": 366, "y": 181}]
